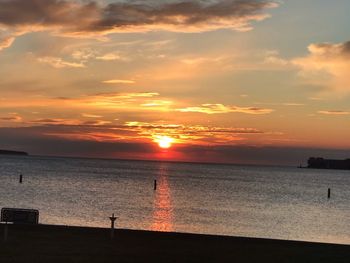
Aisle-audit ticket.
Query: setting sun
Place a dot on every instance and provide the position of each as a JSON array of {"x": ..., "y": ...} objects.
[{"x": 164, "y": 142}]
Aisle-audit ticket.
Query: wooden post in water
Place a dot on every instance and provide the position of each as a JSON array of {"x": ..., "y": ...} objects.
[
  {"x": 112, "y": 218},
  {"x": 155, "y": 185},
  {"x": 329, "y": 193},
  {"x": 20, "y": 178}
]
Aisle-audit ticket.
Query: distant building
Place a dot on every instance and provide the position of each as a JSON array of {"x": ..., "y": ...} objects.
[{"x": 321, "y": 163}]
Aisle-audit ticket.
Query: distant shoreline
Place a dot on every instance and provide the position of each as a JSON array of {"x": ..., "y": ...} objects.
[
  {"x": 9, "y": 152},
  {"x": 162, "y": 161}
]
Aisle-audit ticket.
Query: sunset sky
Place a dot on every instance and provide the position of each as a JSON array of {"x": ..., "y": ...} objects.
[{"x": 264, "y": 82}]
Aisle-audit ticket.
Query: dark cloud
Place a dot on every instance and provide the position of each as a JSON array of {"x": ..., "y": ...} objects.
[
  {"x": 89, "y": 16},
  {"x": 178, "y": 13},
  {"x": 330, "y": 48},
  {"x": 293, "y": 156},
  {"x": 346, "y": 47},
  {"x": 45, "y": 12},
  {"x": 36, "y": 141}
]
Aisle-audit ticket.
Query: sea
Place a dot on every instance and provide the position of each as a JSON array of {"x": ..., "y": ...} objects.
[{"x": 286, "y": 203}]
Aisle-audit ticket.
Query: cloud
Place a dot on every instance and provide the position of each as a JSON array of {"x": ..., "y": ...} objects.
[
  {"x": 84, "y": 54},
  {"x": 144, "y": 132},
  {"x": 132, "y": 102},
  {"x": 36, "y": 141},
  {"x": 118, "y": 81},
  {"x": 220, "y": 108},
  {"x": 191, "y": 15},
  {"x": 273, "y": 57},
  {"x": 334, "y": 112},
  {"x": 187, "y": 134},
  {"x": 112, "y": 101},
  {"x": 123, "y": 101},
  {"x": 110, "y": 57},
  {"x": 157, "y": 103},
  {"x": 87, "y": 115},
  {"x": 13, "y": 118},
  {"x": 54, "y": 121},
  {"x": 327, "y": 64},
  {"x": 293, "y": 104},
  {"x": 87, "y": 54},
  {"x": 6, "y": 41},
  {"x": 90, "y": 18},
  {"x": 60, "y": 63}
]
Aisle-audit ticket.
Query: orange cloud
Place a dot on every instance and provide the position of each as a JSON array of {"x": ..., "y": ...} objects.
[
  {"x": 334, "y": 112},
  {"x": 52, "y": 121},
  {"x": 327, "y": 64},
  {"x": 12, "y": 118},
  {"x": 86, "y": 115},
  {"x": 220, "y": 109},
  {"x": 118, "y": 81},
  {"x": 110, "y": 57},
  {"x": 60, "y": 63},
  {"x": 6, "y": 41},
  {"x": 185, "y": 134},
  {"x": 101, "y": 101}
]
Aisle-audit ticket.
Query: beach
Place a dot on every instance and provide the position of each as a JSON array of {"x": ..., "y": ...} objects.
[{"x": 48, "y": 243}]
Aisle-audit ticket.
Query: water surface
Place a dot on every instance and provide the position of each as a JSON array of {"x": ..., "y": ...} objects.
[{"x": 254, "y": 201}]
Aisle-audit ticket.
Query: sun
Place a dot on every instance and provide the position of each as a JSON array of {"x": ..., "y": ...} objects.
[{"x": 164, "y": 142}]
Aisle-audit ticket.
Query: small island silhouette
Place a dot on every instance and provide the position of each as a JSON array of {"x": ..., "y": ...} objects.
[{"x": 9, "y": 152}]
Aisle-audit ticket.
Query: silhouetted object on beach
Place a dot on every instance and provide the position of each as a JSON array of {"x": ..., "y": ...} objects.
[
  {"x": 155, "y": 185},
  {"x": 112, "y": 218},
  {"x": 321, "y": 163},
  {"x": 20, "y": 216},
  {"x": 7, "y": 152},
  {"x": 20, "y": 178},
  {"x": 6, "y": 232},
  {"x": 329, "y": 193}
]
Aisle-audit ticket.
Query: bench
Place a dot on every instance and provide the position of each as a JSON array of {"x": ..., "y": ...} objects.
[{"x": 20, "y": 216}]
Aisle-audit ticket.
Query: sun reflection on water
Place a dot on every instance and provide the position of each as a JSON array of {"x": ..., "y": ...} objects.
[{"x": 162, "y": 206}]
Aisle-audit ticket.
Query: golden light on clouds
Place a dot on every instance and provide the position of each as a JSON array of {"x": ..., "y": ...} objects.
[
  {"x": 119, "y": 72},
  {"x": 60, "y": 63},
  {"x": 119, "y": 81},
  {"x": 334, "y": 112},
  {"x": 220, "y": 108},
  {"x": 328, "y": 65}
]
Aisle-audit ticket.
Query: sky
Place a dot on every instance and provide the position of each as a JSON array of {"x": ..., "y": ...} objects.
[{"x": 231, "y": 81}]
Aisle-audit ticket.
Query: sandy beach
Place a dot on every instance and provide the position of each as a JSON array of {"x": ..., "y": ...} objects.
[{"x": 45, "y": 243}]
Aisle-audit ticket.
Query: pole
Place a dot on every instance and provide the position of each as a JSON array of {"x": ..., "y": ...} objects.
[
  {"x": 20, "y": 178},
  {"x": 112, "y": 218},
  {"x": 155, "y": 185},
  {"x": 329, "y": 193}
]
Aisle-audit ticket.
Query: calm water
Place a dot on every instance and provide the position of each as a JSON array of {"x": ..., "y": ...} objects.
[{"x": 271, "y": 202}]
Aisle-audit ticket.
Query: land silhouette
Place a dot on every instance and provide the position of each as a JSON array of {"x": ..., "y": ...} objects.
[
  {"x": 9, "y": 152},
  {"x": 43, "y": 243},
  {"x": 321, "y": 163}
]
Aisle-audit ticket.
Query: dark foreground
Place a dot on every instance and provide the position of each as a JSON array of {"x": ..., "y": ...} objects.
[{"x": 51, "y": 244}]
